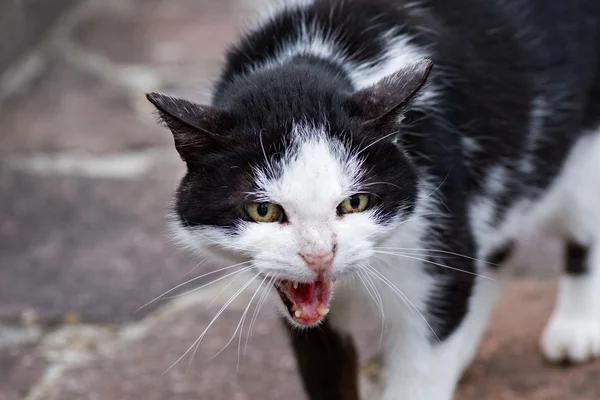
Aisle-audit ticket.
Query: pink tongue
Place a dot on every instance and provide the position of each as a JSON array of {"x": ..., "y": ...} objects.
[{"x": 305, "y": 293}]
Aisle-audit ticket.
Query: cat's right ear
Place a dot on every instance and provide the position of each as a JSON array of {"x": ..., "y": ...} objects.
[
  {"x": 195, "y": 127},
  {"x": 390, "y": 96}
]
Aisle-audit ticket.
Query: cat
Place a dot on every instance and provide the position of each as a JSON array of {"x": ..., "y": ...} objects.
[{"x": 400, "y": 152}]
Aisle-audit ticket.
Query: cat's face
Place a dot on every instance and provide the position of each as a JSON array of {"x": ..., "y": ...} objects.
[{"x": 300, "y": 194}]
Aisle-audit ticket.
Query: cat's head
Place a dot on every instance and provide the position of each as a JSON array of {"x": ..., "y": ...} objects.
[{"x": 295, "y": 176}]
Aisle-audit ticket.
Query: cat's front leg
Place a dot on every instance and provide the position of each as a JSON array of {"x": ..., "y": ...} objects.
[
  {"x": 417, "y": 369},
  {"x": 421, "y": 367}
]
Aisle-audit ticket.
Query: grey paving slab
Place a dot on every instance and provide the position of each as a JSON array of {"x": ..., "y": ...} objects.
[
  {"x": 70, "y": 109},
  {"x": 94, "y": 247},
  {"x": 20, "y": 369}
]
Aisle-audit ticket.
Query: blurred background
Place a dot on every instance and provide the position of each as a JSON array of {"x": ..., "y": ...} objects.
[{"x": 86, "y": 175}]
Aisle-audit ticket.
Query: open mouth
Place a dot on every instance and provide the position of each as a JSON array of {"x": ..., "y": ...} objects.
[{"x": 306, "y": 302}]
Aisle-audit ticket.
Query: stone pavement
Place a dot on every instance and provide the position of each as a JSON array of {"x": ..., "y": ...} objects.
[{"x": 85, "y": 179}]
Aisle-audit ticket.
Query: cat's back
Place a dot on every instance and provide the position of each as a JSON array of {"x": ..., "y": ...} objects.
[{"x": 492, "y": 59}]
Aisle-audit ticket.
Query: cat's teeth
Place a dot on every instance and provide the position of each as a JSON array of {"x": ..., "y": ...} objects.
[
  {"x": 298, "y": 313},
  {"x": 322, "y": 311},
  {"x": 295, "y": 285}
]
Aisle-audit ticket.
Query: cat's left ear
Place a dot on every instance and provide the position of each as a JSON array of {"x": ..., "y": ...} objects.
[
  {"x": 392, "y": 94},
  {"x": 197, "y": 129}
]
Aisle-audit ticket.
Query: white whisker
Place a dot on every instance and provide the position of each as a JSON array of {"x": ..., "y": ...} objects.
[
  {"x": 235, "y": 274},
  {"x": 235, "y": 278},
  {"x": 259, "y": 305},
  {"x": 197, "y": 341},
  {"x": 195, "y": 279},
  {"x": 434, "y": 263},
  {"x": 241, "y": 323},
  {"x": 197, "y": 265},
  {"x": 377, "y": 301},
  {"x": 438, "y": 251},
  {"x": 395, "y": 289},
  {"x": 375, "y": 142}
]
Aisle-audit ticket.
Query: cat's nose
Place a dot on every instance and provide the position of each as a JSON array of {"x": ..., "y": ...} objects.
[{"x": 318, "y": 261}]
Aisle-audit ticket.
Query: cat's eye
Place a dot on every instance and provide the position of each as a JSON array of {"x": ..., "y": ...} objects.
[
  {"x": 353, "y": 204},
  {"x": 265, "y": 212}
]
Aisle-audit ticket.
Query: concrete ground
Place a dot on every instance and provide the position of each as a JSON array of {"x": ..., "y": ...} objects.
[{"x": 85, "y": 178}]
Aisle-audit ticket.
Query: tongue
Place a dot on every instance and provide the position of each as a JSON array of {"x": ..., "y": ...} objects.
[{"x": 310, "y": 301}]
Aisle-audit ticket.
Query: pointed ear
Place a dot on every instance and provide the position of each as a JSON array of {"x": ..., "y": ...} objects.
[
  {"x": 195, "y": 127},
  {"x": 392, "y": 94}
]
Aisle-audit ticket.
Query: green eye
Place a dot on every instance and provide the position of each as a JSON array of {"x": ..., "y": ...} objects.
[
  {"x": 265, "y": 212},
  {"x": 354, "y": 204}
]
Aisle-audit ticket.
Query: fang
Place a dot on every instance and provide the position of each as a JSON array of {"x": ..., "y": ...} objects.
[{"x": 322, "y": 311}]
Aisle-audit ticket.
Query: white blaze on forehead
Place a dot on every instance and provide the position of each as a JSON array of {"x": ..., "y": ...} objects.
[{"x": 316, "y": 175}]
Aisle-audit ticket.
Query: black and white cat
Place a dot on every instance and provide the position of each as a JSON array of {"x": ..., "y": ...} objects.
[{"x": 399, "y": 151}]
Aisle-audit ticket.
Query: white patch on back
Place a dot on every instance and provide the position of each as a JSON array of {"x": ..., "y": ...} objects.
[
  {"x": 326, "y": 43},
  {"x": 401, "y": 51},
  {"x": 569, "y": 207},
  {"x": 469, "y": 145},
  {"x": 540, "y": 110},
  {"x": 482, "y": 208}
]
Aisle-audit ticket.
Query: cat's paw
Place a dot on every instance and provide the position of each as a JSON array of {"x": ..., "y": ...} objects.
[{"x": 571, "y": 339}]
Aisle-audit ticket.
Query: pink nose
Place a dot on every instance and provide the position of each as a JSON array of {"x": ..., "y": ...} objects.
[{"x": 318, "y": 262}]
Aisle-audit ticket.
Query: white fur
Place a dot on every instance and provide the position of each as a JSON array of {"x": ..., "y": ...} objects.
[
  {"x": 319, "y": 174},
  {"x": 401, "y": 52},
  {"x": 314, "y": 182},
  {"x": 323, "y": 41},
  {"x": 469, "y": 146},
  {"x": 422, "y": 371},
  {"x": 573, "y": 332},
  {"x": 569, "y": 209},
  {"x": 418, "y": 370}
]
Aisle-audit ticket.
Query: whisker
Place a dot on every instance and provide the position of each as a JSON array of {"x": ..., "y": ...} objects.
[
  {"x": 367, "y": 287},
  {"x": 235, "y": 274},
  {"x": 197, "y": 265},
  {"x": 368, "y": 278},
  {"x": 385, "y": 280},
  {"x": 192, "y": 280},
  {"x": 235, "y": 278},
  {"x": 243, "y": 319},
  {"x": 378, "y": 302},
  {"x": 241, "y": 323},
  {"x": 440, "y": 185},
  {"x": 375, "y": 142},
  {"x": 197, "y": 341},
  {"x": 259, "y": 305},
  {"x": 434, "y": 263},
  {"x": 439, "y": 251},
  {"x": 422, "y": 216},
  {"x": 365, "y": 185}
]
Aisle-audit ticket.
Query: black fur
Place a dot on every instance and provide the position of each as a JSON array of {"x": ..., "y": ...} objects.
[
  {"x": 327, "y": 361},
  {"x": 576, "y": 258},
  {"x": 501, "y": 254},
  {"x": 252, "y": 122},
  {"x": 493, "y": 60}
]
